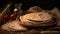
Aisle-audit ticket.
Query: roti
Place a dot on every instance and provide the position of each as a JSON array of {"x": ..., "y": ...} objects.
[
  {"x": 39, "y": 16},
  {"x": 13, "y": 26}
]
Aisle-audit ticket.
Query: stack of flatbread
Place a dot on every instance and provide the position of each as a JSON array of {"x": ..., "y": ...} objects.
[
  {"x": 36, "y": 19},
  {"x": 13, "y": 26}
]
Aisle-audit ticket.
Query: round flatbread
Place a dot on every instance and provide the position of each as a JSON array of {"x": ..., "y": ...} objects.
[
  {"x": 13, "y": 26},
  {"x": 39, "y": 16},
  {"x": 37, "y": 19}
]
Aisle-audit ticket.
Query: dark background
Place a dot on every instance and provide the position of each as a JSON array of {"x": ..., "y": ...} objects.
[{"x": 45, "y": 4}]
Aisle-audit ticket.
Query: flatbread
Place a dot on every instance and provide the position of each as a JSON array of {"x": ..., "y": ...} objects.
[
  {"x": 39, "y": 16},
  {"x": 13, "y": 26},
  {"x": 36, "y": 19}
]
